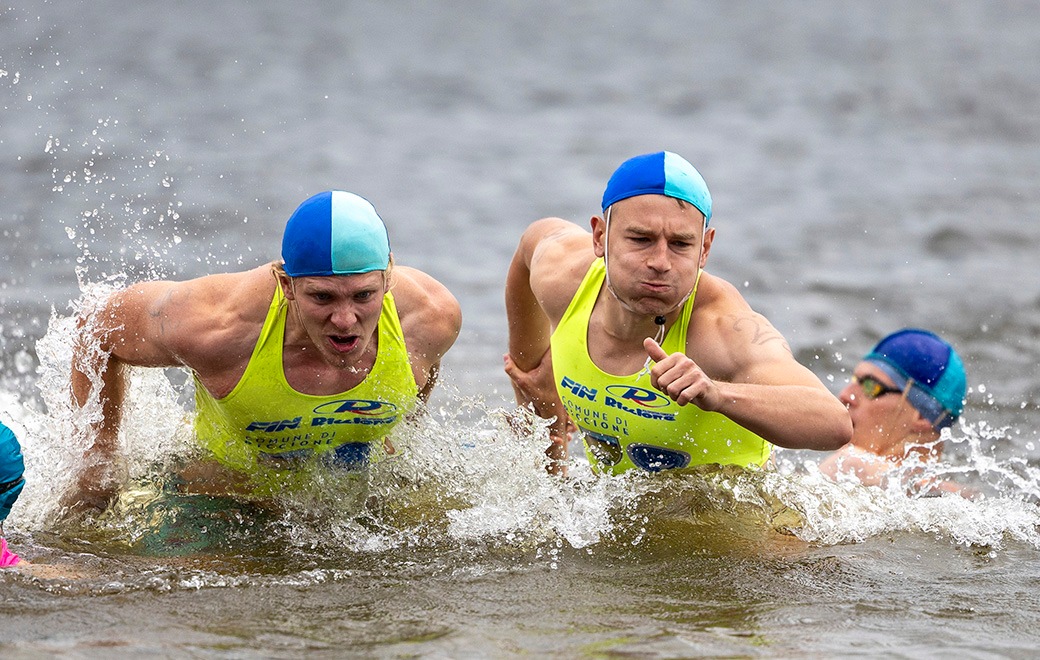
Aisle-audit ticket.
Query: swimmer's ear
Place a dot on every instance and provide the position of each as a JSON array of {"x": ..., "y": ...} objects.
[
  {"x": 285, "y": 282},
  {"x": 708, "y": 239},
  {"x": 921, "y": 425},
  {"x": 599, "y": 230}
]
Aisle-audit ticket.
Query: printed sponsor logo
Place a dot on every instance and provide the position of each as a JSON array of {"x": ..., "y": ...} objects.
[
  {"x": 638, "y": 396},
  {"x": 333, "y": 413},
  {"x": 606, "y": 449},
  {"x": 280, "y": 444},
  {"x": 577, "y": 389},
  {"x": 275, "y": 427},
  {"x": 368, "y": 421},
  {"x": 357, "y": 407},
  {"x": 638, "y": 412}
]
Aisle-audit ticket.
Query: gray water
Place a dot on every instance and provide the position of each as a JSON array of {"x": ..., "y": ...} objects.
[{"x": 873, "y": 166}]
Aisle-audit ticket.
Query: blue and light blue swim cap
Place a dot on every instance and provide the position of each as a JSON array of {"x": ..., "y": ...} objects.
[
  {"x": 335, "y": 233},
  {"x": 661, "y": 173},
  {"x": 12, "y": 466},
  {"x": 929, "y": 366}
]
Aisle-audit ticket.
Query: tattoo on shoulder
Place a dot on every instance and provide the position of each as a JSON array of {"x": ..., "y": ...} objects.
[
  {"x": 761, "y": 331},
  {"x": 159, "y": 311}
]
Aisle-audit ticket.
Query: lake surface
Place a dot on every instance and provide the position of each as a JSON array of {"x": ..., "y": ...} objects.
[{"x": 873, "y": 166}]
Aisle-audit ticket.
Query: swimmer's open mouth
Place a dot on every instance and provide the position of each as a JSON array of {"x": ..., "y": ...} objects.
[{"x": 343, "y": 342}]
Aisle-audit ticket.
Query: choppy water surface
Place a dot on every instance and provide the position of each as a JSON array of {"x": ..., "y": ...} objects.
[{"x": 873, "y": 166}]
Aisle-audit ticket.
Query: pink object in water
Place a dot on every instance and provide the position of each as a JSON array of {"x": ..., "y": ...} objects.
[{"x": 7, "y": 558}]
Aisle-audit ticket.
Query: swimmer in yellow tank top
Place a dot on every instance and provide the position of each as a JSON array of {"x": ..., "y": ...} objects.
[
  {"x": 635, "y": 321},
  {"x": 308, "y": 359},
  {"x": 624, "y": 420},
  {"x": 266, "y": 427}
]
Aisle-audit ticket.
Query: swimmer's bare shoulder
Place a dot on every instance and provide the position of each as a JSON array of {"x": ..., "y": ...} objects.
[
  {"x": 559, "y": 254},
  {"x": 734, "y": 343},
  {"x": 206, "y": 323},
  {"x": 431, "y": 317}
]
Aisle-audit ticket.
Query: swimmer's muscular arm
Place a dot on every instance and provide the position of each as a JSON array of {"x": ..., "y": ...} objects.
[
  {"x": 761, "y": 386},
  {"x": 209, "y": 324},
  {"x": 546, "y": 270},
  {"x": 547, "y": 267},
  {"x": 782, "y": 401},
  {"x": 431, "y": 319}
]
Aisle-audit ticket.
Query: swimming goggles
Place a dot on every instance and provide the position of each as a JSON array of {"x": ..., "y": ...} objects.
[{"x": 873, "y": 388}]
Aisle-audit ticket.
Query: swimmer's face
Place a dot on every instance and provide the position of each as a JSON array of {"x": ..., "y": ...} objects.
[
  {"x": 656, "y": 245},
  {"x": 881, "y": 416},
  {"x": 340, "y": 313}
]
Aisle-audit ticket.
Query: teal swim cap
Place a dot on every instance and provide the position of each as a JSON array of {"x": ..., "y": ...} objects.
[
  {"x": 661, "y": 173},
  {"x": 927, "y": 365},
  {"x": 335, "y": 233}
]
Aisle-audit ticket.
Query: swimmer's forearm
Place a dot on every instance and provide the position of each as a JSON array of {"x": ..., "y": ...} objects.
[
  {"x": 101, "y": 469},
  {"x": 104, "y": 432},
  {"x": 528, "y": 324},
  {"x": 431, "y": 382},
  {"x": 792, "y": 416}
]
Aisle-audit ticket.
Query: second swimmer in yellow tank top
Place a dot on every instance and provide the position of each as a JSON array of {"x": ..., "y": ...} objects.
[
  {"x": 659, "y": 363},
  {"x": 313, "y": 358},
  {"x": 625, "y": 421}
]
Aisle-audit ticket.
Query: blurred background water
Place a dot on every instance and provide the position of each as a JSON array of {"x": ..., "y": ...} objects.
[{"x": 873, "y": 166}]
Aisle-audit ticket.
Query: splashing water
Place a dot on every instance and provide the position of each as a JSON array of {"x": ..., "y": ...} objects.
[{"x": 465, "y": 487}]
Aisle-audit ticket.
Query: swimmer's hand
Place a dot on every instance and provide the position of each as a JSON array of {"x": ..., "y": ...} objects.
[
  {"x": 97, "y": 484},
  {"x": 537, "y": 388},
  {"x": 681, "y": 379}
]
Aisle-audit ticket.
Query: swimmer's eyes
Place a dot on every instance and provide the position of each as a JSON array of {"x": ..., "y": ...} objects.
[
  {"x": 676, "y": 244},
  {"x": 872, "y": 388},
  {"x": 360, "y": 296}
]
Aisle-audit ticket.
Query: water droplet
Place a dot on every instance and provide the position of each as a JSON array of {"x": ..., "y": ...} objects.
[{"x": 23, "y": 362}]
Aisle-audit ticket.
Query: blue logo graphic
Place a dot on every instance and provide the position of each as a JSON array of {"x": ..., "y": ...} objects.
[
  {"x": 275, "y": 427},
  {"x": 656, "y": 459},
  {"x": 639, "y": 396},
  {"x": 357, "y": 407},
  {"x": 577, "y": 389}
]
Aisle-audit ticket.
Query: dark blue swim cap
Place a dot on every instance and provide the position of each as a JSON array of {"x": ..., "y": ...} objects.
[
  {"x": 939, "y": 383},
  {"x": 12, "y": 467},
  {"x": 335, "y": 233},
  {"x": 661, "y": 173}
]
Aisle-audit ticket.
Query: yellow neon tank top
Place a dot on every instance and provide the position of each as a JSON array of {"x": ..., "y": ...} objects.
[
  {"x": 264, "y": 425},
  {"x": 625, "y": 422}
]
